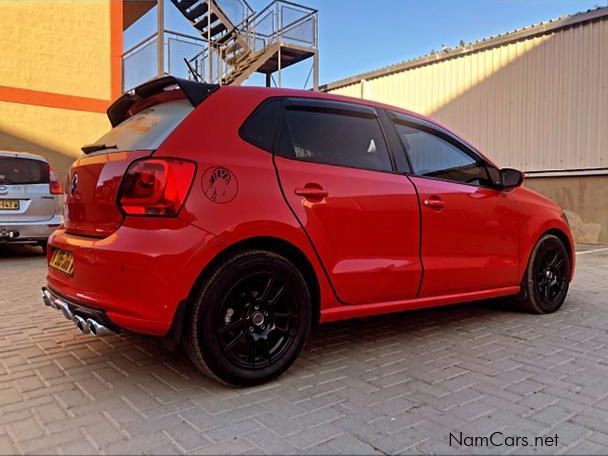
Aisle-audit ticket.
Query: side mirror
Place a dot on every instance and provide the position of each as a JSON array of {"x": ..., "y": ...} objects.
[{"x": 510, "y": 178}]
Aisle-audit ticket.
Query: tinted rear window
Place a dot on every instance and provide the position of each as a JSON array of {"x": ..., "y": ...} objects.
[
  {"x": 147, "y": 129},
  {"x": 15, "y": 171}
]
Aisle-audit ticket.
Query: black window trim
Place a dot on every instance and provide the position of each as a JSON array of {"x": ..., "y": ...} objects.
[
  {"x": 428, "y": 127},
  {"x": 334, "y": 107},
  {"x": 277, "y": 129}
]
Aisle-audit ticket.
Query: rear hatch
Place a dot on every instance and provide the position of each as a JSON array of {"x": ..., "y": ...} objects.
[
  {"x": 25, "y": 194},
  {"x": 141, "y": 121}
]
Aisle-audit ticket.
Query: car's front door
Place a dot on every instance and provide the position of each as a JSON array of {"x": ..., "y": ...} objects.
[
  {"x": 470, "y": 228},
  {"x": 361, "y": 216}
]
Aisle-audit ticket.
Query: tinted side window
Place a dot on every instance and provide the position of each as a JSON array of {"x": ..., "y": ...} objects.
[
  {"x": 259, "y": 129},
  {"x": 334, "y": 138},
  {"x": 432, "y": 156}
]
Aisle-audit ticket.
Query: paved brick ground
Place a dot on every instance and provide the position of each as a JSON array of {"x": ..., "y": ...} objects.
[{"x": 395, "y": 384}]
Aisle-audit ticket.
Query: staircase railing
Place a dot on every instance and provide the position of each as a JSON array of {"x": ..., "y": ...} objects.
[
  {"x": 281, "y": 21},
  {"x": 139, "y": 63},
  {"x": 221, "y": 62},
  {"x": 237, "y": 11},
  {"x": 284, "y": 21}
]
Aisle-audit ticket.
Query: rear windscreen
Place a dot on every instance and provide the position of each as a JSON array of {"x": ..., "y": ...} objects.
[
  {"x": 146, "y": 129},
  {"x": 15, "y": 171}
]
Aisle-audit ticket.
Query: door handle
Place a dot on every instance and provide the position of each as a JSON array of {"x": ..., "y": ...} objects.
[
  {"x": 434, "y": 202},
  {"x": 308, "y": 191}
]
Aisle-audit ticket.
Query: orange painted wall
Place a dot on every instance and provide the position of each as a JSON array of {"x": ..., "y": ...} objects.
[{"x": 61, "y": 64}]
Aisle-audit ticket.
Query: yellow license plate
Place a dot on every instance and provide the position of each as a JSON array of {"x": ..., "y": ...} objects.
[
  {"x": 9, "y": 205},
  {"x": 64, "y": 261}
]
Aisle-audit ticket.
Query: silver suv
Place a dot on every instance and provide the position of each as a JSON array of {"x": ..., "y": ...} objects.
[{"x": 31, "y": 199}]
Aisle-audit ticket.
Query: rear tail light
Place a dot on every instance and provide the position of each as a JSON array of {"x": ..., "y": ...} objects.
[
  {"x": 156, "y": 187},
  {"x": 54, "y": 184}
]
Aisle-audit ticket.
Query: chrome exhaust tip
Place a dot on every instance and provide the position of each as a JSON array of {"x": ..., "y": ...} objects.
[
  {"x": 47, "y": 298},
  {"x": 65, "y": 309},
  {"x": 98, "y": 329},
  {"x": 82, "y": 325}
]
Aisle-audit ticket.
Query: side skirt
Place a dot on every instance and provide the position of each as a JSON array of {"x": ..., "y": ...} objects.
[{"x": 368, "y": 310}]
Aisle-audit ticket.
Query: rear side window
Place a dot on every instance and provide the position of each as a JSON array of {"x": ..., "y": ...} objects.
[
  {"x": 259, "y": 129},
  {"x": 334, "y": 138},
  {"x": 15, "y": 171},
  {"x": 432, "y": 156},
  {"x": 147, "y": 129}
]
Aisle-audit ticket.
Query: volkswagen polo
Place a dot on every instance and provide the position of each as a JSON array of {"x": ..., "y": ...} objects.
[{"x": 231, "y": 219}]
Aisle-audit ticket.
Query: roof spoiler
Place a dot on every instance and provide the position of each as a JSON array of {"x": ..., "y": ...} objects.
[{"x": 196, "y": 93}]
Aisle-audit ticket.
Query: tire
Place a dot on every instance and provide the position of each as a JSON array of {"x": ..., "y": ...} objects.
[
  {"x": 547, "y": 277},
  {"x": 249, "y": 322}
]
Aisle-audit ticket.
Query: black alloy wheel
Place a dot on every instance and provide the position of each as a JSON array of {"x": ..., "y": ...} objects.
[
  {"x": 551, "y": 277},
  {"x": 250, "y": 319},
  {"x": 257, "y": 320},
  {"x": 547, "y": 278}
]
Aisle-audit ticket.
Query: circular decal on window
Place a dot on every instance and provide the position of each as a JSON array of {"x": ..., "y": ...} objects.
[{"x": 220, "y": 184}]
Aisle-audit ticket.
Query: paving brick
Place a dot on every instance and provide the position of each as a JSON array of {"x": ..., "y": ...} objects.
[
  {"x": 394, "y": 384},
  {"x": 233, "y": 446},
  {"x": 25, "y": 429},
  {"x": 269, "y": 442},
  {"x": 6, "y": 446},
  {"x": 186, "y": 438}
]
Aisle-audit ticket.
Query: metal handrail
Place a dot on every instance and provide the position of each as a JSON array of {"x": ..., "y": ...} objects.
[
  {"x": 287, "y": 2},
  {"x": 139, "y": 44},
  {"x": 154, "y": 35},
  {"x": 210, "y": 61},
  {"x": 255, "y": 38},
  {"x": 140, "y": 61}
]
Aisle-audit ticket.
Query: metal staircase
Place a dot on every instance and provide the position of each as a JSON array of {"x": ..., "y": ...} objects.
[{"x": 240, "y": 42}]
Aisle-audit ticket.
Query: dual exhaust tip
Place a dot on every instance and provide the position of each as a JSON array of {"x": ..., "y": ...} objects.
[
  {"x": 84, "y": 326},
  {"x": 90, "y": 326}
]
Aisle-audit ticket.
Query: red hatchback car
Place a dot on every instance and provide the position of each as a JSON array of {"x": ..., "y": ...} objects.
[{"x": 230, "y": 219}]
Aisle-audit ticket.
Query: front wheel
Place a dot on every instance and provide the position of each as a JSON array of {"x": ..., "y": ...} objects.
[
  {"x": 547, "y": 277},
  {"x": 250, "y": 320}
]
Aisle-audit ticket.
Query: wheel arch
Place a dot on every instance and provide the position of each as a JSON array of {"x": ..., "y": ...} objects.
[
  {"x": 565, "y": 239},
  {"x": 562, "y": 236},
  {"x": 269, "y": 243},
  {"x": 275, "y": 245}
]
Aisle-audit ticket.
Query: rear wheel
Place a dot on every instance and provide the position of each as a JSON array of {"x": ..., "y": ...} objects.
[
  {"x": 250, "y": 320},
  {"x": 547, "y": 277}
]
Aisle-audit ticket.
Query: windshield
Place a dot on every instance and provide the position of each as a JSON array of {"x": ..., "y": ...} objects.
[
  {"x": 147, "y": 129},
  {"x": 15, "y": 170}
]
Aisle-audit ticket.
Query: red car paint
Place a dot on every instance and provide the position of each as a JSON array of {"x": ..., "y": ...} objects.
[{"x": 377, "y": 242}]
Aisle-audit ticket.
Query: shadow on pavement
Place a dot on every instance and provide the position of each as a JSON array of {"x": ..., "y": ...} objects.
[{"x": 20, "y": 251}]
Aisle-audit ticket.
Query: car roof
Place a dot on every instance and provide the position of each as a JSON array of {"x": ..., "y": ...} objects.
[
  {"x": 28, "y": 155},
  {"x": 267, "y": 92}
]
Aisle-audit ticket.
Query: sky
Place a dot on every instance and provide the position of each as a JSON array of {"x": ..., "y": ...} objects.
[{"x": 356, "y": 36}]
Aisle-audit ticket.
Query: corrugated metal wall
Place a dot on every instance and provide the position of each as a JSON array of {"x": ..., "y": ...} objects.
[{"x": 537, "y": 104}]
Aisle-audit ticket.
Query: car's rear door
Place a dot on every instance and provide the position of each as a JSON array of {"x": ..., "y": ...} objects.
[
  {"x": 470, "y": 229},
  {"x": 362, "y": 217},
  {"x": 24, "y": 190}
]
